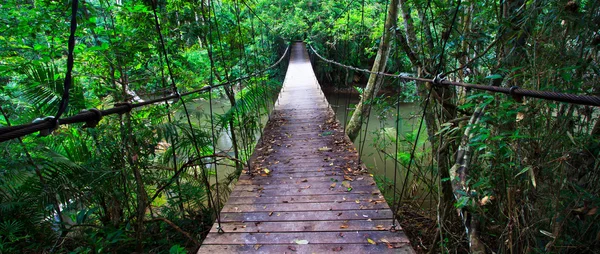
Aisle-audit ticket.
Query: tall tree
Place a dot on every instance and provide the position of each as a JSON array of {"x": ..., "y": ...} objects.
[{"x": 375, "y": 81}]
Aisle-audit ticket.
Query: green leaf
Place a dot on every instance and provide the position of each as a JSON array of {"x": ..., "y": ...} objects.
[
  {"x": 523, "y": 171},
  {"x": 494, "y": 76}
]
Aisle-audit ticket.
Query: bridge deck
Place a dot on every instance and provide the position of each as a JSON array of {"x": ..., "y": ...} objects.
[{"x": 314, "y": 197}]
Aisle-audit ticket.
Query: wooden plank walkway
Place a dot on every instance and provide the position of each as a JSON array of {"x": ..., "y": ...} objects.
[{"x": 305, "y": 192}]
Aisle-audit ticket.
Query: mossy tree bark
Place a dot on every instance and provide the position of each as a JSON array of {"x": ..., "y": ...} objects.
[{"x": 375, "y": 81}]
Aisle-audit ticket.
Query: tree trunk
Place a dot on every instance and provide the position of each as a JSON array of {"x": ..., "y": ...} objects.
[{"x": 375, "y": 82}]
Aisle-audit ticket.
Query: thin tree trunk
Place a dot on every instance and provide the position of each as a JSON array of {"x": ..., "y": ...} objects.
[
  {"x": 459, "y": 175},
  {"x": 375, "y": 82}
]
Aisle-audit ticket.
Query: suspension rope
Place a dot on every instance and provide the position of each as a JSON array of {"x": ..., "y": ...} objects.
[
  {"x": 11, "y": 132},
  {"x": 64, "y": 102},
  {"x": 513, "y": 91},
  {"x": 187, "y": 114}
]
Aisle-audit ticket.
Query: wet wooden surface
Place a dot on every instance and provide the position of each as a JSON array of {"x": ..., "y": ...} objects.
[{"x": 305, "y": 192}]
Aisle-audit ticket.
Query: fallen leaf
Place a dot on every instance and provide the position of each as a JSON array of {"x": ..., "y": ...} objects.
[
  {"x": 389, "y": 245},
  {"x": 271, "y": 213},
  {"x": 344, "y": 226},
  {"x": 348, "y": 178},
  {"x": 340, "y": 214},
  {"x": 357, "y": 201},
  {"x": 380, "y": 227},
  {"x": 371, "y": 241},
  {"x": 332, "y": 185},
  {"x": 292, "y": 248},
  {"x": 323, "y": 149},
  {"x": 267, "y": 171},
  {"x": 340, "y": 248},
  {"x": 257, "y": 246},
  {"x": 346, "y": 184},
  {"x": 304, "y": 180},
  {"x": 301, "y": 241}
]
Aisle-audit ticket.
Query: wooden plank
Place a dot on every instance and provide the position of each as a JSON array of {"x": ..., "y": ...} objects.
[
  {"x": 308, "y": 191},
  {"x": 343, "y": 197},
  {"x": 311, "y": 179},
  {"x": 307, "y": 216},
  {"x": 326, "y": 186},
  {"x": 402, "y": 248},
  {"x": 312, "y": 237},
  {"x": 286, "y": 207},
  {"x": 305, "y": 226}
]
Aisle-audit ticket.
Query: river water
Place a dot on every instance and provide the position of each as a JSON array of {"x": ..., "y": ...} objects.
[{"x": 379, "y": 140}]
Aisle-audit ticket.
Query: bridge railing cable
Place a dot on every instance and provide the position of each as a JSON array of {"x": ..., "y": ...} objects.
[
  {"x": 514, "y": 91},
  {"x": 94, "y": 115}
]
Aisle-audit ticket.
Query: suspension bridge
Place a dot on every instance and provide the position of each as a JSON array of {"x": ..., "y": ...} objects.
[{"x": 305, "y": 190}]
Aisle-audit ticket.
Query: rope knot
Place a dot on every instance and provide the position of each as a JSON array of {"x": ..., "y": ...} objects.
[
  {"x": 513, "y": 93},
  {"x": 92, "y": 123},
  {"x": 220, "y": 230},
  {"x": 128, "y": 106},
  {"x": 49, "y": 119}
]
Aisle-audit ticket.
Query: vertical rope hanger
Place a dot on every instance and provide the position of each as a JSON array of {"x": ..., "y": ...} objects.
[
  {"x": 70, "y": 59},
  {"x": 436, "y": 81},
  {"x": 174, "y": 138},
  {"x": 245, "y": 62},
  {"x": 227, "y": 75},
  {"x": 189, "y": 121},
  {"x": 212, "y": 126},
  {"x": 264, "y": 83},
  {"x": 377, "y": 79}
]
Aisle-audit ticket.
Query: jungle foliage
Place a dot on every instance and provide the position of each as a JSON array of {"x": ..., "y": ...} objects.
[{"x": 530, "y": 182}]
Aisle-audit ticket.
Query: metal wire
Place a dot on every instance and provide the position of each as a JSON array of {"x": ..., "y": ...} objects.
[{"x": 516, "y": 92}]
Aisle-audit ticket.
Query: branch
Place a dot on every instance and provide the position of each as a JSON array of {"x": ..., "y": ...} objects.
[
  {"x": 186, "y": 234},
  {"x": 188, "y": 164},
  {"x": 474, "y": 58}
]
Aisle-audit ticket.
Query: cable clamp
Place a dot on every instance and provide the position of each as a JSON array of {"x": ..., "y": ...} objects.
[
  {"x": 127, "y": 104},
  {"x": 514, "y": 95},
  {"x": 50, "y": 119},
  {"x": 438, "y": 80},
  {"x": 92, "y": 123}
]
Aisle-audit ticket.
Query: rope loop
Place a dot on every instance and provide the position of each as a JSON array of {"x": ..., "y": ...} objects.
[
  {"x": 438, "y": 80},
  {"x": 92, "y": 123},
  {"x": 514, "y": 95},
  {"x": 127, "y": 104},
  {"x": 220, "y": 230},
  {"x": 49, "y": 119}
]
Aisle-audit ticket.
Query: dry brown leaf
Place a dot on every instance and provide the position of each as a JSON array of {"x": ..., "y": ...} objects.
[
  {"x": 344, "y": 226},
  {"x": 271, "y": 213}
]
